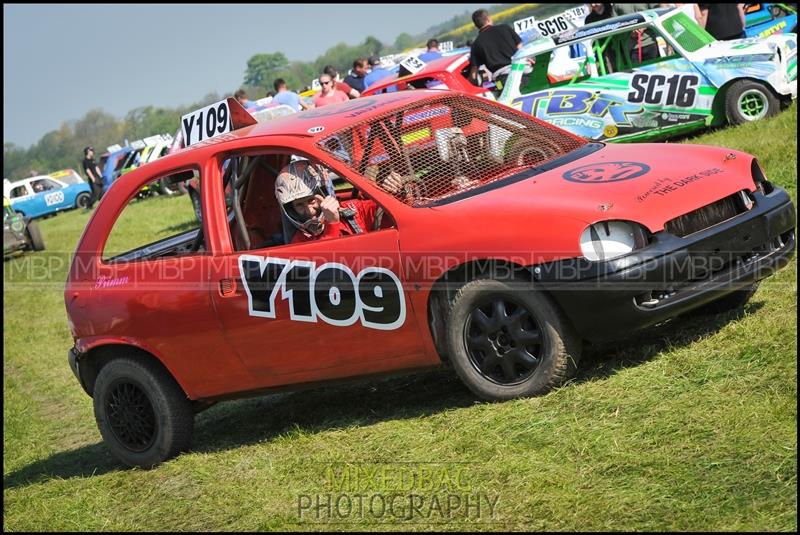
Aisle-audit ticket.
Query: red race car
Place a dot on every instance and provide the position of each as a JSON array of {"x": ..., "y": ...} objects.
[
  {"x": 460, "y": 230},
  {"x": 445, "y": 73}
]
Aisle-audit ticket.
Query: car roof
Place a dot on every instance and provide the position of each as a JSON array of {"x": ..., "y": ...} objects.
[
  {"x": 445, "y": 63},
  {"x": 595, "y": 30},
  {"x": 29, "y": 179}
]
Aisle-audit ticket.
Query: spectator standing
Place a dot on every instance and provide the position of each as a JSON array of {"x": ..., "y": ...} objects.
[
  {"x": 356, "y": 78},
  {"x": 723, "y": 21},
  {"x": 494, "y": 47},
  {"x": 432, "y": 53},
  {"x": 599, "y": 12},
  {"x": 602, "y": 12},
  {"x": 241, "y": 98},
  {"x": 331, "y": 71},
  {"x": 377, "y": 72},
  {"x": 284, "y": 96},
  {"x": 329, "y": 93},
  {"x": 642, "y": 44},
  {"x": 93, "y": 175}
]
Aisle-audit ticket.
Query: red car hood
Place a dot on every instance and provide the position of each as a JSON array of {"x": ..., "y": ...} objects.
[{"x": 646, "y": 183}]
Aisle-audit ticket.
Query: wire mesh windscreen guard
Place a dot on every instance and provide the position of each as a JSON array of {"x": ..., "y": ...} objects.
[{"x": 446, "y": 145}]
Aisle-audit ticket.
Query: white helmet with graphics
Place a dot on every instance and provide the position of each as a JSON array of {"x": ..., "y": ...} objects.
[{"x": 298, "y": 180}]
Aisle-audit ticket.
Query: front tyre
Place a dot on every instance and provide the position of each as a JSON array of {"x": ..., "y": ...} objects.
[
  {"x": 507, "y": 340},
  {"x": 144, "y": 416},
  {"x": 83, "y": 200},
  {"x": 34, "y": 236},
  {"x": 747, "y": 101}
]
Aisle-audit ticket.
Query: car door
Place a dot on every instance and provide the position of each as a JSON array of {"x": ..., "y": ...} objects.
[
  {"x": 320, "y": 309},
  {"x": 24, "y": 201},
  {"x": 54, "y": 196},
  {"x": 316, "y": 310}
]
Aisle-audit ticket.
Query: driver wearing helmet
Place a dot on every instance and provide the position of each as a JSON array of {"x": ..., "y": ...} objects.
[{"x": 307, "y": 200}]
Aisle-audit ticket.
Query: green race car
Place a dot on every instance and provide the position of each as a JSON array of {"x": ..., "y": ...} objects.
[{"x": 650, "y": 75}]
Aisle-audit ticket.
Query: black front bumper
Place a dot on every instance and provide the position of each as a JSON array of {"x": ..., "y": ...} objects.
[{"x": 607, "y": 300}]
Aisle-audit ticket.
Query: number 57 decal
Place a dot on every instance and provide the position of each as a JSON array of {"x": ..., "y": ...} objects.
[{"x": 677, "y": 90}]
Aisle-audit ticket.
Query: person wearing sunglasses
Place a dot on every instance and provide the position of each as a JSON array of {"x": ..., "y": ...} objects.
[{"x": 329, "y": 94}]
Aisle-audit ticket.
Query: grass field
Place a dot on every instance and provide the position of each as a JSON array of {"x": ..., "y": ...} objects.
[{"x": 687, "y": 426}]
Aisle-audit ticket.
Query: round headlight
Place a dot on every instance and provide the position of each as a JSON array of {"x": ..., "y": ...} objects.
[{"x": 607, "y": 240}]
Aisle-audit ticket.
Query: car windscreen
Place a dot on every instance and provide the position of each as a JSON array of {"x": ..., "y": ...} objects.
[
  {"x": 443, "y": 146},
  {"x": 68, "y": 177}
]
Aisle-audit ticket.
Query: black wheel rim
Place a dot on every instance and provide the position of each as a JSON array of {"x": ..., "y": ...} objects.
[
  {"x": 504, "y": 341},
  {"x": 83, "y": 201},
  {"x": 131, "y": 416}
]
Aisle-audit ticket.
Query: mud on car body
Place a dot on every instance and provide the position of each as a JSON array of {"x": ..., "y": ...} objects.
[
  {"x": 614, "y": 94},
  {"x": 509, "y": 243}
]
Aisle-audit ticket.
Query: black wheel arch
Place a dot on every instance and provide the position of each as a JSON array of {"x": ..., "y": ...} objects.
[
  {"x": 96, "y": 358},
  {"x": 718, "y": 105},
  {"x": 447, "y": 285}
]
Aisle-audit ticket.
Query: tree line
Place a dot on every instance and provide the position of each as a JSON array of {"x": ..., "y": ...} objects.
[{"x": 63, "y": 148}]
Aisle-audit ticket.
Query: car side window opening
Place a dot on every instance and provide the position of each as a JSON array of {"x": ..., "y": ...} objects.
[
  {"x": 686, "y": 32},
  {"x": 629, "y": 50},
  {"x": 256, "y": 219},
  {"x": 614, "y": 53},
  {"x": 156, "y": 226},
  {"x": 44, "y": 184},
  {"x": 19, "y": 191}
]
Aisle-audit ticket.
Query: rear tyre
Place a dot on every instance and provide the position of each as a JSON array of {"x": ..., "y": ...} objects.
[
  {"x": 507, "y": 340},
  {"x": 34, "y": 236},
  {"x": 144, "y": 416},
  {"x": 83, "y": 200},
  {"x": 747, "y": 101}
]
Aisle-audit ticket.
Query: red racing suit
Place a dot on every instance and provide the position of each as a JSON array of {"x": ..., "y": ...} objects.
[{"x": 356, "y": 216}]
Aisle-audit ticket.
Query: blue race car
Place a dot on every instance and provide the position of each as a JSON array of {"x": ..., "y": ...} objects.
[
  {"x": 45, "y": 195},
  {"x": 762, "y": 20},
  {"x": 113, "y": 164}
]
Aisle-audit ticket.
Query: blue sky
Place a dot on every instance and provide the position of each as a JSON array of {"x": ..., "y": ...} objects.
[{"x": 60, "y": 61}]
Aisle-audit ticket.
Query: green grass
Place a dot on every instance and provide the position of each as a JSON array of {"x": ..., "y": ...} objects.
[{"x": 688, "y": 426}]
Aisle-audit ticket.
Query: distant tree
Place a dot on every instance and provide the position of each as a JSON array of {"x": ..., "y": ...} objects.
[
  {"x": 98, "y": 129},
  {"x": 404, "y": 41},
  {"x": 14, "y": 159},
  {"x": 373, "y": 46},
  {"x": 261, "y": 68},
  {"x": 148, "y": 121}
]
